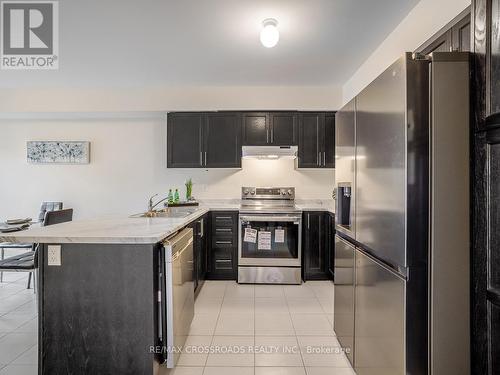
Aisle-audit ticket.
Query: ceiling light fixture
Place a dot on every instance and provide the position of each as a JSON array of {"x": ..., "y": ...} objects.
[{"x": 269, "y": 36}]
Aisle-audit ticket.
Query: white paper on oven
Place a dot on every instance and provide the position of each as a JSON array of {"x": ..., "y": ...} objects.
[
  {"x": 279, "y": 235},
  {"x": 250, "y": 235},
  {"x": 264, "y": 240}
]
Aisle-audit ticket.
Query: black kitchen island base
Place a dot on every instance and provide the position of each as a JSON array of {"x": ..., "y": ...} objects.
[{"x": 98, "y": 310}]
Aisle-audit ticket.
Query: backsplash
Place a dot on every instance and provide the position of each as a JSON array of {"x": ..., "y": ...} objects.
[{"x": 221, "y": 183}]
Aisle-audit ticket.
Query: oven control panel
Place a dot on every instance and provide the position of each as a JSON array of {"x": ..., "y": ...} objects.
[{"x": 268, "y": 193}]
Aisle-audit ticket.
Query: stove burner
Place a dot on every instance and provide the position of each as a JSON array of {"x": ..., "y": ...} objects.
[{"x": 268, "y": 199}]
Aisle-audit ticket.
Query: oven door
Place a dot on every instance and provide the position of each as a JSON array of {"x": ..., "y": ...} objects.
[{"x": 270, "y": 240}]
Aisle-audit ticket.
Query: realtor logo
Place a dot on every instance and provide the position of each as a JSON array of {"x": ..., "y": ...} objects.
[{"x": 29, "y": 37}]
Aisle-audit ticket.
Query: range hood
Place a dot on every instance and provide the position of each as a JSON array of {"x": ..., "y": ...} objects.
[{"x": 269, "y": 152}]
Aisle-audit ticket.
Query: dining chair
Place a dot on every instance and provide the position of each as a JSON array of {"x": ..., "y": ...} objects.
[
  {"x": 48, "y": 206},
  {"x": 45, "y": 206},
  {"x": 28, "y": 261},
  {"x": 58, "y": 217}
]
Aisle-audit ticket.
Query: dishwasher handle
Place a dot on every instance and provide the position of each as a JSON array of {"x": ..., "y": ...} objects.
[{"x": 179, "y": 252}]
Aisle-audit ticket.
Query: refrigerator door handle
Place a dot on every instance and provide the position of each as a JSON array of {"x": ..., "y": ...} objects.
[{"x": 403, "y": 276}]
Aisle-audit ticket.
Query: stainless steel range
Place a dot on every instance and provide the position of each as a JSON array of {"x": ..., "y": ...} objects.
[{"x": 270, "y": 231}]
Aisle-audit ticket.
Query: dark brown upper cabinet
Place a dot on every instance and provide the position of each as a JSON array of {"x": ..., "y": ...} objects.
[
  {"x": 184, "y": 140},
  {"x": 255, "y": 129},
  {"x": 204, "y": 140},
  {"x": 485, "y": 89},
  {"x": 283, "y": 130},
  {"x": 270, "y": 128},
  {"x": 461, "y": 37},
  {"x": 443, "y": 43},
  {"x": 329, "y": 143},
  {"x": 316, "y": 140},
  {"x": 222, "y": 137},
  {"x": 492, "y": 64},
  {"x": 455, "y": 36},
  {"x": 214, "y": 139}
]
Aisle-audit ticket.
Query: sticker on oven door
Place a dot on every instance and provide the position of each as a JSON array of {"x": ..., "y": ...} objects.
[
  {"x": 279, "y": 235},
  {"x": 250, "y": 235},
  {"x": 264, "y": 240}
]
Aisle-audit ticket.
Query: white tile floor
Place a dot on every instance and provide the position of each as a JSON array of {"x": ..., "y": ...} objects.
[
  {"x": 290, "y": 329},
  {"x": 18, "y": 326},
  {"x": 285, "y": 326}
]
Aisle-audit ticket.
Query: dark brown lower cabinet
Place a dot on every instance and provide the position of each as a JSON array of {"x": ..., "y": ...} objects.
[
  {"x": 316, "y": 245},
  {"x": 223, "y": 252},
  {"x": 200, "y": 255},
  {"x": 330, "y": 243}
]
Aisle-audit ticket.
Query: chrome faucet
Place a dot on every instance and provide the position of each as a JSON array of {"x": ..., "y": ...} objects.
[{"x": 151, "y": 206}]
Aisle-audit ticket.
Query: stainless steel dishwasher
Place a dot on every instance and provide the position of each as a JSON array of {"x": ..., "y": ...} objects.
[{"x": 179, "y": 290}]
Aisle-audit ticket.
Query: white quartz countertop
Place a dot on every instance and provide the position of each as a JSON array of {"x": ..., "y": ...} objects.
[
  {"x": 301, "y": 204},
  {"x": 125, "y": 230},
  {"x": 128, "y": 230},
  {"x": 316, "y": 205}
]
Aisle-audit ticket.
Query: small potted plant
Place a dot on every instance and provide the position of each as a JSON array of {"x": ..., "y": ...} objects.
[{"x": 189, "y": 190}]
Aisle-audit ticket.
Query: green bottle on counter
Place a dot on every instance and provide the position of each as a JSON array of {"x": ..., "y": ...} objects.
[
  {"x": 176, "y": 196},
  {"x": 170, "y": 197}
]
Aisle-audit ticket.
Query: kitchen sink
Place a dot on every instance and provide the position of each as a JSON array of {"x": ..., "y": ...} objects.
[{"x": 168, "y": 213}]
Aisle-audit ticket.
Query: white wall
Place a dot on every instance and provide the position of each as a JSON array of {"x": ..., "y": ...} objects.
[
  {"x": 127, "y": 131},
  {"x": 128, "y": 163},
  {"x": 423, "y": 21},
  {"x": 168, "y": 98}
]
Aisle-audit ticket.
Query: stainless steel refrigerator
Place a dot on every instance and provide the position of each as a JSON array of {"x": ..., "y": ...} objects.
[{"x": 402, "y": 219}]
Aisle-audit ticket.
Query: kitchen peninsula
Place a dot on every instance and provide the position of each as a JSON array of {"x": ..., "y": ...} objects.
[
  {"x": 99, "y": 282},
  {"x": 100, "y": 286}
]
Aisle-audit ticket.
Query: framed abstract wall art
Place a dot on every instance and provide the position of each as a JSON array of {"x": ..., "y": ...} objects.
[{"x": 58, "y": 152}]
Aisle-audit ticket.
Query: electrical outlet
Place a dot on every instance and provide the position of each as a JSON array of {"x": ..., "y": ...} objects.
[{"x": 54, "y": 255}]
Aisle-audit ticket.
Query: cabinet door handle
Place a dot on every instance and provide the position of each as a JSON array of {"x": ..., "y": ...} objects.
[
  {"x": 202, "y": 229},
  {"x": 272, "y": 134},
  {"x": 267, "y": 135},
  {"x": 308, "y": 220},
  {"x": 223, "y": 230},
  {"x": 318, "y": 159},
  {"x": 201, "y": 158},
  {"x": 223, "y": 218},
  {"x": 324, "y": 158},
  {"x": 205, "y": 158},
  {"x": 223, "y": 242}
]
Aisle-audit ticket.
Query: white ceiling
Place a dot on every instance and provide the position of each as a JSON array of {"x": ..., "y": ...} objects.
[{"x": 125, "y": 43}]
